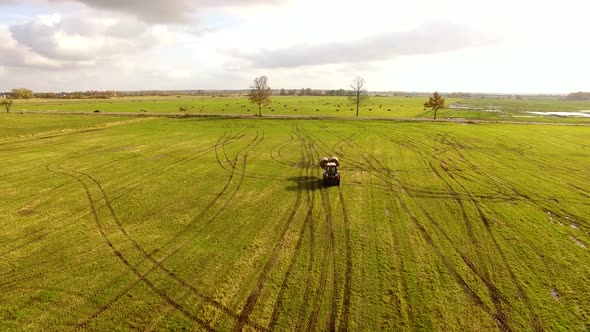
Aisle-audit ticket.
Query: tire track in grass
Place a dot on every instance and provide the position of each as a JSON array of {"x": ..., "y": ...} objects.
[
  {"x": 582, "y": 191},
  {"x": 389, "y": 178},
  {"x": 495, "y": 294},
  {"x": 39, "y": 238},
  {"x": 522, "y": 294},
  {"x": 23, "y": 237},
  {"x": 227, "y": 131},
  {"x": 128, "y": 265},
  {"x": 339, "y": 146},
  {"x": 149, "y": 175},
  {"x": 308, "y": 220},
  {"x": 158, "y": 264},
  {"x": 192, "y": 289},
  {"x": 518, "y": 192},
  {"x": 329, "y": 257},
  {"x": 254, "y": 293},
  {"x": 31, "y": 241},
  {"x": 159, "y": 171},
  {"x": 253, "y": 175},
  {"x": 344, "y": 318},
  {"x": 64, "y": 132},
  {"x": 306, "y": 163},
  {"x": 401, "y": 243},
  {"x": 47, "y": 272},
  {"x": 132, "y": 185},
  {"x": 64, "y": 186},
  {"x": 331, "y": 324},
  {"x": 301, "y": 324},
  {"x": 276, "y": 152},
  {"x": 240, "y": 135},
  {"x": 419, "y": 148},
  {"x": 498, "y": 319},
  {"x": 372, "y": 171},
  {"x": 48, "y": 199}
]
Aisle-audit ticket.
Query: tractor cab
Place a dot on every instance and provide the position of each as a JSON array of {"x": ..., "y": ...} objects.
[
  {"x": 331, "y": 175},
  {"x": 331, "y": 169}
]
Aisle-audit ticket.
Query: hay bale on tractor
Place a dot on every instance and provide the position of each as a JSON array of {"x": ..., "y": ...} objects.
[{"x": 335, "y": 160}]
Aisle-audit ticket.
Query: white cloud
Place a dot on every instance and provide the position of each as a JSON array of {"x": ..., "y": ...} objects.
[
  {"x": 14, "y": 54},
  {"x": 113, "y": 44},
  {"x": 429, "y": 38},
  {"x": 63, "y": 42},
  {"x": 168, "y": 11}
]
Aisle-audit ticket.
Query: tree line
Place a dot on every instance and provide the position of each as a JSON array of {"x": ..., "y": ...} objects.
[
  {"x": 579, "y": 96},
  {"x": 358, "y": 95},
  {"x": 310, "y": 92}
]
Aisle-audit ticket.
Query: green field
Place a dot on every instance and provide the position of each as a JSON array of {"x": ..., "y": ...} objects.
[
  {"x": 533, "y": 104},
  {"x": 377, "y": 107},
  {"x": 293, "y": 106},
  {"x": 114, "y": 223}
]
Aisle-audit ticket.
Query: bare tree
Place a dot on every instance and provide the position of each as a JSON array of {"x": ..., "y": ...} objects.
[
  {"x": 435, "y": 103},
  {"x": 359, "y": 93},
  {"x": 260, "y": 92},
  {"x": 186, "y": 110},
  {"x": 6, "y": 103}
]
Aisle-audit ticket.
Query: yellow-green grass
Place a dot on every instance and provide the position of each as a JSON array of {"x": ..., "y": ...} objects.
[
  {"x": 293, "y": 106},
  {"x": 199, "y": 224},
  {"x": 376, "y": 107},
  {"x": 532, "y": 104},
  {"x": 518, "y": 109}
]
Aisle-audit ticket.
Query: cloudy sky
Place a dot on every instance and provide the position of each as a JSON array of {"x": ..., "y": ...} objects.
[{"x": 523, "y": 46}]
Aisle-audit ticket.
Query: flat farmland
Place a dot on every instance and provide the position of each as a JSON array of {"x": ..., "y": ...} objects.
[
  {"x": 114, "y": 223},
  {"x": 280, "y": 105},
  {"x": 494, "y": 109}
]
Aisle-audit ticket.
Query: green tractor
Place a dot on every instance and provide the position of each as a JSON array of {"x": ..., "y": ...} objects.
[{"x": 331, "y": 175}]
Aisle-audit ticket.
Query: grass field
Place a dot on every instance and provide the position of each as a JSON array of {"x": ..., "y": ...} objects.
[
  {"x": 149, "y": 224},
  {"x": 519, "y": 105},
  {"x": 332, "y": 106},
  {"x": 377, "y": 107}
]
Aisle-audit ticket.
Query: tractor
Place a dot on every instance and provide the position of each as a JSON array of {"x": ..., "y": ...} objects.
[{"x": 331, "y": 176}]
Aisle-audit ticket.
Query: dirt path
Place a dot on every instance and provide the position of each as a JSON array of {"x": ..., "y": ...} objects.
[{"x": 299, "y": 117}]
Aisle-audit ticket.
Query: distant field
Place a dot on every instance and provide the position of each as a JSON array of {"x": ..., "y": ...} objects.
[
  {"x": 16, "y": 127},
  {"x": 520, "y": 110},
  {"x": 332, "y": 106},
  {"x": 382, "y": 107},
  {"x": 114, "y": 223},
  {"x": 519, "y": 105}
]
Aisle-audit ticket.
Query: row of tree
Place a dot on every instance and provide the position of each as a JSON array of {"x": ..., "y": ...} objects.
[
  {"x": 579, "y": 96},
  {"x": 23, "y": 93},
  {"x": 358, "y": 95},
  {"x": 20, "y": 93},
  {"x": 311, "y": 92},
  {"x": 259, "y": 94}
]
